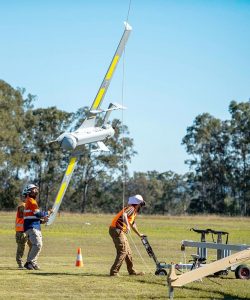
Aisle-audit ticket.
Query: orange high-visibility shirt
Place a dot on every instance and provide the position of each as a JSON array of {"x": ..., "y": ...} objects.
[
  {"x": 31, "y": 207},
  {"x": 19, "y": 217},
  {"x": 118, "y": 221}
]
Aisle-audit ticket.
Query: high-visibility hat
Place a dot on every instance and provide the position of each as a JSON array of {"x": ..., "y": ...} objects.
[{"x": 137, "y": 199}]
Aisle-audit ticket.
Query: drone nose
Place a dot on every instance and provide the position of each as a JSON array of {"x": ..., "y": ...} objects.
[{"x": 69, "y": 142}]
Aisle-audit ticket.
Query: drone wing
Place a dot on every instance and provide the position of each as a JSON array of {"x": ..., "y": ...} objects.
[
  {"x": 63, "y": 187},
  {"x": 90, "y": 120}
]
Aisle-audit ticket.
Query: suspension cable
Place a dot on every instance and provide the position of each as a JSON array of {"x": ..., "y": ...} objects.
[
  {"x": 123, "y": 146},
  {"x": 122, "y": 96}
]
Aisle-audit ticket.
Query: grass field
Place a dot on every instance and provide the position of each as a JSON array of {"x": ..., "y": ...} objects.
[{"x": 60, "y": 279}]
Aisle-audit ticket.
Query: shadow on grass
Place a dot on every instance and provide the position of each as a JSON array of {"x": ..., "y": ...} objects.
[
  {"x": 10, "y": 269},
  {"x": 225, "y": 296},
  {"x": 226, "y": 278},
  {"x": 68, "y": 274},
  {"x": 39, "y": 273},
  {"x": 151, "y": 282}
]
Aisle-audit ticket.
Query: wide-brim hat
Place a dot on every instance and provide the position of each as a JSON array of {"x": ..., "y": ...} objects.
[{"x": 137, "y": 199}]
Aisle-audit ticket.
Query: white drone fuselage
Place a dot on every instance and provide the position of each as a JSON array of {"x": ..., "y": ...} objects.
[{"x": 70, "y": 140}]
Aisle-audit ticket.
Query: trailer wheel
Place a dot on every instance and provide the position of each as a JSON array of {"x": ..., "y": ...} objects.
[
  {"x": 161, "y": 272},
  {"x": 242, "y": 272}
]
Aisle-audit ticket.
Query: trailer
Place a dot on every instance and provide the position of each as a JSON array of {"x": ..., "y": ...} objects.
[
  {"x": 223, "y": 250},
  {"x": 174, "y": 280}
]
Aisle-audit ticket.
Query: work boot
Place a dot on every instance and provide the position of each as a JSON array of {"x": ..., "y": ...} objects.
[
  {"x": 28, "y": 266},
  {"x": 137, "y": 273},
  {"x": 20, "y": 266},
  {"x": 35, "y": 266},
  {"x": 114, "y": 274}
]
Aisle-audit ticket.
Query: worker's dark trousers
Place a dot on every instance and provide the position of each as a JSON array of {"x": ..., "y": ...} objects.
[
  {"x": 123, "y": 251},
  {"x": 21, "y": 240}
]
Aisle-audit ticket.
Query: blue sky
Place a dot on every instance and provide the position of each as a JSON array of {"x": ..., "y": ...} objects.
[{"x": 183, "y": 58}]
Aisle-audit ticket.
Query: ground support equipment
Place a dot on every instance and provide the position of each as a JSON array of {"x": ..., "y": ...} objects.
[
  {"x": 162, "y": 266},
  {"x": 222, "y": 250}
]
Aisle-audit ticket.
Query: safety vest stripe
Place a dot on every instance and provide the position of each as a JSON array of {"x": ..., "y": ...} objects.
[
  {"x": 29, "y": 214},
  {"x": 31, "y": 217},
  {"x": 129, "y": 211},
  {"x": 28, "y": 210},
  {"x": 19, "y": 222}
]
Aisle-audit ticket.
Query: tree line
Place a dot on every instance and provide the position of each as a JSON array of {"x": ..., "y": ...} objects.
[{"x": 218, "y": 180}]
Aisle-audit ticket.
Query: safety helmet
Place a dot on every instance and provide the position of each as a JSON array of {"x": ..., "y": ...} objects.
[{"x": 29, "y": 187}]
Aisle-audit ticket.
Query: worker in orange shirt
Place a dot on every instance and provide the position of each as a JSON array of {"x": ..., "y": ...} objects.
[
  {"x": 21, "y": 237},
  {"x": 32, "y": 226},
  {"x": 120, "y": 226}
]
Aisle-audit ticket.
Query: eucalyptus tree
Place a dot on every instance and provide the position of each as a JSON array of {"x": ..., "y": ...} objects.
[
  {"x": 164, "y": 193},
  {"x": 47, "y": 162},
  {"x": 13, "y": 157},
  {"x": 208, "y": 142},
  {"x": 176, "y": 193},
  {"x": 148, "y": 185},
  {"x": 240, "y": 150}
]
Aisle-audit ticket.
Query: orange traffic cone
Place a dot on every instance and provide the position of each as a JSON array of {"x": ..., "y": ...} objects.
[{"x": 79, "y": 262}]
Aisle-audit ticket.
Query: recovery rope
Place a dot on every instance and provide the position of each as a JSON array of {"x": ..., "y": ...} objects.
[
  {"x": 122, "y": 96},
  {"x": 123, "y": 147}
]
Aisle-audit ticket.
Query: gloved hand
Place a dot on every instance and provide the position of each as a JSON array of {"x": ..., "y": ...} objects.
[
  {"x": 44, "y": 220},
  {"x": 50, "y": 211}
]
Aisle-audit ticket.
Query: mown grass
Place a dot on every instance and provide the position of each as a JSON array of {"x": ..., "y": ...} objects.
[{"x": 60, "y": 279}]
